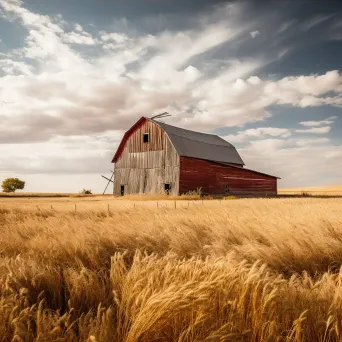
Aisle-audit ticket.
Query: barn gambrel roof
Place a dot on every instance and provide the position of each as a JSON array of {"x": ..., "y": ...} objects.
[
  {"x": 192, "y": 144},
  {"x": 201, "y": 145}
]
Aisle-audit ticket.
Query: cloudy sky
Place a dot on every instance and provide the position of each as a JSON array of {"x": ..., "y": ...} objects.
[{"x": 74, "y": 75}]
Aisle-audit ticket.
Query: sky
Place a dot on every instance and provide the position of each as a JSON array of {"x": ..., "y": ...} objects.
[{"x": 75, "y": 75}]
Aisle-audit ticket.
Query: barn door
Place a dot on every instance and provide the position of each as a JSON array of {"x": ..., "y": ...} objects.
[{"x": 154, "y": 180}]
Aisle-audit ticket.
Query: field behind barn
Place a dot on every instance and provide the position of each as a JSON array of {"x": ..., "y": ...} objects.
[
  {"x": 314, "y": 191},
  {"x": 105, "y": 269}
]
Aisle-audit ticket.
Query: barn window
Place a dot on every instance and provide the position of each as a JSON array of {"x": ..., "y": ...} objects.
[
  {"x": 122, "y": 190},
  {"x": 146, "y": 138},
  {"x": 226, "y": 189},
  {"x": 167, "y": 188}
]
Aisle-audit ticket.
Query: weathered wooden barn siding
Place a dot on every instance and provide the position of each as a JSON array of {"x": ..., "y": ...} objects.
[
  {"x": 212, "y": 177},
  {"x": 146, "y": 167}
]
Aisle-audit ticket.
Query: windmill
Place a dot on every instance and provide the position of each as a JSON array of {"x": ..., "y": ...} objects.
[
  {"x": 109, "y": 181},
  {"x": 160, "y": 116}
]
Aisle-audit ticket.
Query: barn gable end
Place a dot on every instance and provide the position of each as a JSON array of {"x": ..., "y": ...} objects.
[{"x": 145, "y": 167}]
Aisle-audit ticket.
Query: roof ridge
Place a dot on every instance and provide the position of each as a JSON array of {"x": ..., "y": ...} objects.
[
  {"x": 185, "y": 129},
  {"x": 200, "y": 145},
  {"x": 231, "y": 145}
]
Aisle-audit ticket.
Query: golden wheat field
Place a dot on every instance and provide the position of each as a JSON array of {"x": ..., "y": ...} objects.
[
  {"x": 123, "y": 270},
  {"x": 324, "y": 190}
]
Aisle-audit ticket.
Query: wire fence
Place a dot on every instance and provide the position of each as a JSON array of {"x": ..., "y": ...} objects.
[
  {"x": 111, "y": 206},
  {"x": 117, "y": 206}
]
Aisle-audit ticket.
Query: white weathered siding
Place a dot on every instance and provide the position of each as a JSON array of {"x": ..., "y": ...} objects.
[{"x": 146, "y": 167}]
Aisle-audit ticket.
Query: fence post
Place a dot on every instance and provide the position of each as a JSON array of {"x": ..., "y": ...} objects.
[
  {"x": 157, "y": 204},
  {"x": 175, "y": 205},
  {"x": 108, "y": 209},
  {"x": 75, "y": 207}
]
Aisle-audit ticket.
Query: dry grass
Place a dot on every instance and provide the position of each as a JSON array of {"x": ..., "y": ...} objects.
[
  {"x": 246, "y": 270},
  {"x": 194, "y": 196},
  {"x": 40, "y": 194},
  {"x": 325, "y": 190}
]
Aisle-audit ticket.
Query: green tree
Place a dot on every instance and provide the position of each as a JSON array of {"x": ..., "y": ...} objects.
[
  {"x": 86, "y": 192},
  {"x": 12, "y": 184}
]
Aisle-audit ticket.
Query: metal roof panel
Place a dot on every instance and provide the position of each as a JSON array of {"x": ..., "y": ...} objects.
[{"x": 201, "y": 145}]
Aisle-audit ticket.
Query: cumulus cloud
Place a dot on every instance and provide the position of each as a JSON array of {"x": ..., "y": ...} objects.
[
  {"x": 61, "y": 155},
  {"x": 139, "y": 75},
  {"x": 315, "y": 130},
  {"x": 260, "y": 132},
  {"x": 116, "y": 37},
  {"x": 254, "y": 33},
  {"x": 12, "y": 67},
  {"x": 307, "y": 142},
  {"x": 328, "y": 121},
  {"x": 293, "y": 161},
  {"x": 78, "y": 28},
  {"x": 82, "y": 38}
]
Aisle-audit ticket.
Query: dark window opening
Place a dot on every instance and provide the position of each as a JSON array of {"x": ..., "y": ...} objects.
[
  {"x": 167, "y": 188},
  {"x": 146, "y": 138},
  {"x": 122, "y": 190},
  {"x": 226, "y": 189}
]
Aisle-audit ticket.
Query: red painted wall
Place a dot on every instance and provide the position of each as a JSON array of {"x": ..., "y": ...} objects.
[{"x": 212, "y": 177}]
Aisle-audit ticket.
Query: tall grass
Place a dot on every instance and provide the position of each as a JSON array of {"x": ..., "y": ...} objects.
[
  {"x": 42, "y": 195},
  {"x": 163, "y": 196},
  {"x": 247, "y": 270}
]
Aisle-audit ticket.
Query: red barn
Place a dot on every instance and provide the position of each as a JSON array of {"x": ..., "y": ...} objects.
[{"x": 154, "y": 157}]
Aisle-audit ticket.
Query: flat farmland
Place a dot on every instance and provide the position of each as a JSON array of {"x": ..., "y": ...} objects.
[
  {"x": 325, "y": 190},
  {"x": 106, "y": 269}
]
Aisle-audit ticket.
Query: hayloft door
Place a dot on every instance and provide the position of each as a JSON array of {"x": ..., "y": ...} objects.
[{"x": 122, "y": 190}]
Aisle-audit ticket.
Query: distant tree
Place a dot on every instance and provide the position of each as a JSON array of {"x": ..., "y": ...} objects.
[
  {"x": 86, "y": 192},
  {"x": 12, "y": 184}
]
